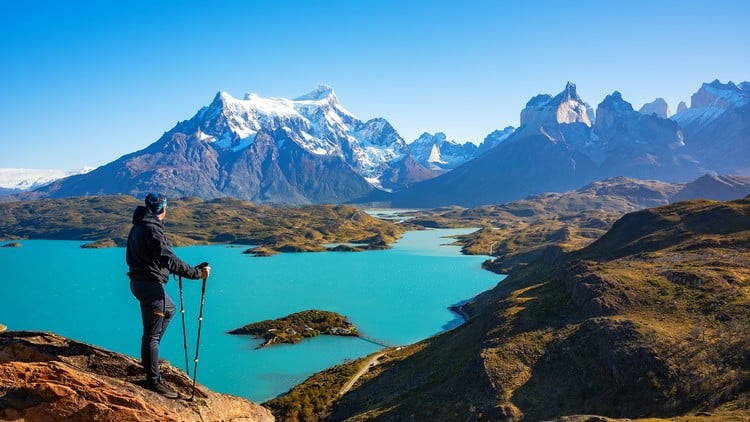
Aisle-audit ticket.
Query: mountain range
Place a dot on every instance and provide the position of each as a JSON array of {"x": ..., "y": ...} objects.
[
  {"x": 312, "y": 150},
  {"x": 561, "y": 145},
  {"x": 16, "y": 180}
]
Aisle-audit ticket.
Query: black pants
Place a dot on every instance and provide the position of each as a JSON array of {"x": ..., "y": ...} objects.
[{"x": 157, "y": 310}]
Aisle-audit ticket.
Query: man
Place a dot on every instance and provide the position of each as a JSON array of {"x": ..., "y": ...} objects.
[{"x": 151, "y": 260}]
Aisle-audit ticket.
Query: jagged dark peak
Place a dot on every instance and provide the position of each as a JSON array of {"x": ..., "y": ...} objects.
[
  {"x": 568, "y": 94},
  {"x": 215, "y": 108},
  {"x": 614, "y": 101},
  {"x": 437, "y": 138},
  {"x": 717, "y": 94},
  {"x": 221, "y": 98},
  {"x": 539, "y": 100},
  {"x": 321, "y": 92},
  {"x": 381, "y": 124},
  {"x": 496, "y": 137},
  {"x": 717, "y": 84}
]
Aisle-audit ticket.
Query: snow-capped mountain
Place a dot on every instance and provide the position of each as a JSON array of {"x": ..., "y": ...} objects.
[
  {"x": 268, "y": 150},
  {"x": 21, "y": 179},
  {"x": 317, "y": 122},
  {"x": 561, "y": 146},
  {"x": 439, "y": 153},
  {"x": 717, "y": 127}
]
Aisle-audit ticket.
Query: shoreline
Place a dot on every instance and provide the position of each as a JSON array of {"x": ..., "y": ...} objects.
[{"x": 459, "y": 310}]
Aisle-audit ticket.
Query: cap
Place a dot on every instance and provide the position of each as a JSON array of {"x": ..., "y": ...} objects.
[{"x": 156, "y": 202}]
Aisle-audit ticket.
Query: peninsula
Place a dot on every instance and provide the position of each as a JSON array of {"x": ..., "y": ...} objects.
[{"x": 294, "y": 327}]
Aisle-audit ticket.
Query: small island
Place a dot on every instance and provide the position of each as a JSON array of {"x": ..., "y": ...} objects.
[{"x": 294, "y": 327}]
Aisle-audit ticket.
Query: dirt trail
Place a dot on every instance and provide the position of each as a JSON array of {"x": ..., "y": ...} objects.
[{"x": 363, "y": 370}]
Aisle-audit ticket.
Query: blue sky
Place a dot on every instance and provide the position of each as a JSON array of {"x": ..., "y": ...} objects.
[{"x": 85, "y": 82}]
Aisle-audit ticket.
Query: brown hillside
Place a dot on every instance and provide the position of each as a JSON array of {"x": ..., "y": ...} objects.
[
  {"x": 651, "y": 321},
  {"x": 106, "y": 220}
]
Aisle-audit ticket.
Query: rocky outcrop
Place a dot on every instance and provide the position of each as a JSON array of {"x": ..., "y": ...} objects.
[
  {"x": 44, "y": 377},
  {"x": 659, "y": 107},
  {"x": 590, "y": 293},
  {"x": 546, "y": 112}
]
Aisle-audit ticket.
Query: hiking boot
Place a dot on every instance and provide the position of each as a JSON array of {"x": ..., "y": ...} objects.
[{"x": 163, "y": 390}]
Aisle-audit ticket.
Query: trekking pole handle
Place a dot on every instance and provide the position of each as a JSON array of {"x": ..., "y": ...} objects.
[{"x": 202, "y": 265}]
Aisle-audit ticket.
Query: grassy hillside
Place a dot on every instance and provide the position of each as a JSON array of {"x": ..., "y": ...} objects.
[
  {"x": 522, "y": 231},
  {"x": 650, "y": 321},
  {"x": 106, "y": 220}
]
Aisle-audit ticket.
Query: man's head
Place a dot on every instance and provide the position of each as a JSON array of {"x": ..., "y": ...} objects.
[{"x": 156, "y": 202}]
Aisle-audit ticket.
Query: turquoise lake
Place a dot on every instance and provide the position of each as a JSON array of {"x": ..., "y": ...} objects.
[{"x": 399, "y": 296}]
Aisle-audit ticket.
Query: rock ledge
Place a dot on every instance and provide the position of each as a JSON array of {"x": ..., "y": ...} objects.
[{"x": 44, "y": 376}]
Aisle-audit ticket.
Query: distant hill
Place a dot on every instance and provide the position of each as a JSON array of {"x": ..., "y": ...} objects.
[
  {"x": 721, "y": 188},
  {"x": 105, "y": 221}
]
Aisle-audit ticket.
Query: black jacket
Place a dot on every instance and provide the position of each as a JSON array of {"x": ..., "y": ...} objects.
[{"x": 148, "y": 254}]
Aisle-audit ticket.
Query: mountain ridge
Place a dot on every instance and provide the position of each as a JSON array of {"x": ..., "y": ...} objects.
[
  {"x": 557, "y": 148},
  {"x": 312, "y": 150}
]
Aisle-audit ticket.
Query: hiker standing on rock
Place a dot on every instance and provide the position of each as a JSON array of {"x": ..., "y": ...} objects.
[{"x": 151, "y": 260}]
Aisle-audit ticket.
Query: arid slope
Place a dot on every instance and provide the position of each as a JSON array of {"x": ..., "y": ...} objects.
[{"x": 651, "y": 320}]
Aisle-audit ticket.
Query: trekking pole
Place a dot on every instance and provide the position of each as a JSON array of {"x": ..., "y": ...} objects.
[
  {"x": 184, "y": 335},
  {"x": 200, "y": 320}
]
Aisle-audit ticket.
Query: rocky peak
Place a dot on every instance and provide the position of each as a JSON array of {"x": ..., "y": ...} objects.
[
  {"x": 321, "y": 92},
  {"x": 681, "y": 107},
  {"x": 716, "y": 94},
  {"x": 610, "y": 113},
  {"x": 658, "y": 107},
  {"x": 495, "y": 138},
  {"x": 568, "y": 94},
  {"x": 638, "y": 138},
  {"x": 436, "y": 139},
  {"x": 564, "y": 108},
  {"x": 615, "y": 102},
  {"x": 44, "y": 376}
]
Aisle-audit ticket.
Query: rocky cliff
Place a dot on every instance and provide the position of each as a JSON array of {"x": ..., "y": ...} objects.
[{"x": 45, "y": 377}]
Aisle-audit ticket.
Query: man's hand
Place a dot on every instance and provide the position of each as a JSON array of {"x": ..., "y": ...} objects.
[{"x": 205, "y": 269}]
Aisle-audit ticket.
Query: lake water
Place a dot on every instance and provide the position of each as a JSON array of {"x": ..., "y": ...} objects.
[{"x": 399, "y": 296}]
